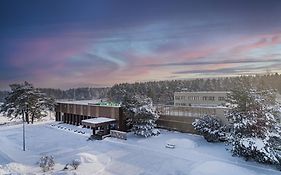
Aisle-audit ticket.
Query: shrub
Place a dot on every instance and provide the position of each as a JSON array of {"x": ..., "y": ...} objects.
[
  {"x": 74, "y": 164},
  {"x": 46, "y": 163},
  {"x": 210, "y": 128}
]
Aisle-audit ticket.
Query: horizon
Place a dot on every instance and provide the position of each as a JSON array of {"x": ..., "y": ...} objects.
[
  {"x": 187, "y": 79},
  {"x": 70, "y": 44}
]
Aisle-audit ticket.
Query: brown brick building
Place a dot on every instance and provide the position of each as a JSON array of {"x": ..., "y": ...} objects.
[{"x": 73, "y": 112}]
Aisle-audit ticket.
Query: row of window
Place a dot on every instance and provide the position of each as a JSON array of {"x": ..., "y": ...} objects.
[
  {"x": 180, "y": 104},
  {"x": 194, "y": 98}
]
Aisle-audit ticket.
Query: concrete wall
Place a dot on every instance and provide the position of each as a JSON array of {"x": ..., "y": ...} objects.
[
  {"x": 192, "y": 111},
  {"x": 180, "y": 118},
  {"x": 177, "y": 123}
]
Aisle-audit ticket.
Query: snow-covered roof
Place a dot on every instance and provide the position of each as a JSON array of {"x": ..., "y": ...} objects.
[
  {"x": 78, "y": 102},
  {"x": 86, "y": 102},
  {"x": 99, "y": 120},
  {"x": 199, "y": 92}
]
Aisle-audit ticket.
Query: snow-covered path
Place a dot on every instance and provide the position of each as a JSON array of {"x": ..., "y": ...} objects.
[{"x": 192, "y": 155}]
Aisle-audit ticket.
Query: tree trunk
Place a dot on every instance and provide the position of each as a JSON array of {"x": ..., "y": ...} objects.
[
  {"x": 26, "y": 118},
  {"x": 32, "y": 118}
]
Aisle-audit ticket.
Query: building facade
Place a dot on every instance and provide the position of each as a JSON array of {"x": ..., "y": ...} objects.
[
  {"x": 74, "y": 112},
  {"x": 206, "y": 98}
]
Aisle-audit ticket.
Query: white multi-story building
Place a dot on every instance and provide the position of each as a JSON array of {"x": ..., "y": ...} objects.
[{"x": 206, "y": 98}]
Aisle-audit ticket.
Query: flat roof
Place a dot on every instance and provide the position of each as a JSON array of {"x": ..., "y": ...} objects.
[
  {"x": 78, "y": 102},
  {"x": 99, "y": 120},
  {"x": 87, "y": 102},
  {"x": 197, "y": 92}
]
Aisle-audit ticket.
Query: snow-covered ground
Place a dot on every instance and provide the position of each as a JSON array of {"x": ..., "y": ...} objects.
[{"x": 192, "y": 155}]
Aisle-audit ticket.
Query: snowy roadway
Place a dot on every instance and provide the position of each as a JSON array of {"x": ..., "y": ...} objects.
[
  {"x": 4, "y": 159},
  {"x": 191, "y": 156}
]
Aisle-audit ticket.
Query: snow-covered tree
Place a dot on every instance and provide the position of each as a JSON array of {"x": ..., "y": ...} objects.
[
  {"x": 210, "y": 127},
  {"x": 24, "y": 99},
  {"x": 255, "y": 132},
  {"x": 39, "y": 104},
  {"x": 141, "y": 115},
  {"x": 46, "y": 163}
]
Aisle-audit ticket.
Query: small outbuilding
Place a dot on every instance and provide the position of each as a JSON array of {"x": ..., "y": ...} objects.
[{"x": 101, "y": 126}]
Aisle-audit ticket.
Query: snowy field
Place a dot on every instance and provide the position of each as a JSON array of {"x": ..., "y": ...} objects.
[{"x": 192, "y": 155}]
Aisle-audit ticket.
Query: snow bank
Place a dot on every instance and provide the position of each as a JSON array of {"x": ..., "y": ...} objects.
[
  {"x": 217, "y": 167},
  {"x": 182, "y": 143},
  {"x": 16, "y": 168},
  {"x": 87, "y": 158},
  {"x": 91, "y": 163}
]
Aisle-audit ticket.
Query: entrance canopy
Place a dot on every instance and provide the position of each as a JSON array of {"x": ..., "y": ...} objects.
[{"x": 99, "y": 121}]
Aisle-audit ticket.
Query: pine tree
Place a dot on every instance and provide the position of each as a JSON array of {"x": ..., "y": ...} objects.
[
  {"x": 25, "y": 100},
  {"x": 140, "y": 114},
  {"x": 255, "y": 131}
]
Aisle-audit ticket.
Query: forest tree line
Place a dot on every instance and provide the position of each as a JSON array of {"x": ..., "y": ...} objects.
[
  {"x": 162, "y": 92},
  {"x": 83, "y": 93}
]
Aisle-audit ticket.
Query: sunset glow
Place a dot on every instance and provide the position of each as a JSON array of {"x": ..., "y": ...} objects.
[{"x": 99, "y": 43}]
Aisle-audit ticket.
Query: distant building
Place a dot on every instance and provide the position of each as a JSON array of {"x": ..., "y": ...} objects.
[{"x": 203, "y": 98}]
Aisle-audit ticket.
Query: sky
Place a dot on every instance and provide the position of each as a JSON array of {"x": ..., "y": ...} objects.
[{"x": 74, "y": 43}]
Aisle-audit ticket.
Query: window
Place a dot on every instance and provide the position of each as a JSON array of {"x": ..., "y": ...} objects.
[
  {"x": 208, "y": 98},
  {"x": 193, "y": 98},
  {"x": 204, "y": 98},
  {"x": 177, "y": 97},
  {"x": 221, "y": 98}
]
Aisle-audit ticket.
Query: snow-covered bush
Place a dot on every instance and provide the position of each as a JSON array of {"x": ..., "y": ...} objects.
[
  {"x": 210, "y": 127},
  {"x": 74, "y": 164},
  {"x": 46, "y": 163},
  {"x": 254, "y": 133},
  {"x": 141, "y": 115}
]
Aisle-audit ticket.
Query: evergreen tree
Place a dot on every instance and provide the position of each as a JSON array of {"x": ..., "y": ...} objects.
[
  {"x": 255, "y": 134},
  {"x": 140, "y": 114},
  {"x": 25, "y": 100},
  {"x": 210, "y": 127}
]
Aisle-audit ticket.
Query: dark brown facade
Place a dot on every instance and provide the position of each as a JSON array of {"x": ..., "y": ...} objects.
[
  {"x": 177, "y": 123},
  {"x": 74, "y": 113}
]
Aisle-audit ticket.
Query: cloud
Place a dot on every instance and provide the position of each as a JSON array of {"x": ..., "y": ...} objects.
[
  {"x": 234, "y": 70},
  {"x": 262, "y": 42},
  {"x": 211, "y": 62},
  {"x": 112, "y": 42}
]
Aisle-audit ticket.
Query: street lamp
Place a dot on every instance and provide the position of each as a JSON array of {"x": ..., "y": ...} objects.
[{"x": 23, "y": 130}]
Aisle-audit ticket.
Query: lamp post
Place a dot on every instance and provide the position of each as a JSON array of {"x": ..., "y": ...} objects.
[{"x": 23, "y": 132}]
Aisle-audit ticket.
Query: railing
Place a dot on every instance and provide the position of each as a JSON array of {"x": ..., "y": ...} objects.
[{"x": 190, "y": 111}]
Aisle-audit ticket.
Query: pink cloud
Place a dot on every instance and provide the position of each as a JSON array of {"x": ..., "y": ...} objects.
[{"x": 259, "y": 42}]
